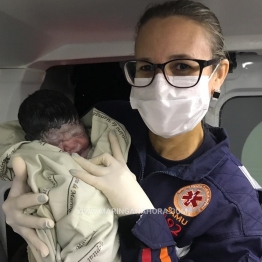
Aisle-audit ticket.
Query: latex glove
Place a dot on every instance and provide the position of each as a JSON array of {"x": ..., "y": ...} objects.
[
  {"x": 114, "y": 179},
  {"x": 19, "y": 199}
]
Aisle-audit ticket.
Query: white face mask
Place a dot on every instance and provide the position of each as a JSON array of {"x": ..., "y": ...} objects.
[{"x": 168, "y": 111}]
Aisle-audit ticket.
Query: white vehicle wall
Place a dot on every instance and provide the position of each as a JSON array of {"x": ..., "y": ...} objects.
[{"x": 36, "y": 35}]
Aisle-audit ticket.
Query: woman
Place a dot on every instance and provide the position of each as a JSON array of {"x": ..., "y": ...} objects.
[{"x": 197, "y": 203}]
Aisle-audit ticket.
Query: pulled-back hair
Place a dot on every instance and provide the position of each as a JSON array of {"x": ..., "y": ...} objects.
[
  {"x": 191, "y": 10},
  {"x": 43, "y": 110}
]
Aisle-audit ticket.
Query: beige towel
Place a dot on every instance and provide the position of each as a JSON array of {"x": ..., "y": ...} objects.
[{"x": 86, "y": 227}]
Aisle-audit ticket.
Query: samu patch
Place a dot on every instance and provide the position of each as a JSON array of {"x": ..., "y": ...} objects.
[{"x": 192, "y": 200}]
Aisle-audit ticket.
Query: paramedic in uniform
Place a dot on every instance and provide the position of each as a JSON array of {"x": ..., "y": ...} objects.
[{"x": 211, "y": 212}]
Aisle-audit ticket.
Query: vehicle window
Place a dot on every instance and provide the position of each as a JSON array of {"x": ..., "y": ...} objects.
[
  {"x": 242, "y": 119},
  {"x": 98, "y": 82},
  {"x": 88, "y": 84}
]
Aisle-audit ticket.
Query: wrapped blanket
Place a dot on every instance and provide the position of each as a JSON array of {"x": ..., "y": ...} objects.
[{"x": 86, "y": 226}]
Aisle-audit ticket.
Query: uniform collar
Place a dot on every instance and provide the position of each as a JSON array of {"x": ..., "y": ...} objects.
[{"x": 200, "y": 167}]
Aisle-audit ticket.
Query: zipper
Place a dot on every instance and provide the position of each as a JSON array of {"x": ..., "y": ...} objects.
[{"x": 141, "y": 175}]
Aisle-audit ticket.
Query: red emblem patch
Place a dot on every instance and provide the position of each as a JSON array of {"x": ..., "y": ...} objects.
[{"x": 192, "y": 200}]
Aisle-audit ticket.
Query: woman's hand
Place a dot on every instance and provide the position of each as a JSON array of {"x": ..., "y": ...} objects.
[
  {"x": 114, "y": 179},
  {"x": 19, "y": 199}
]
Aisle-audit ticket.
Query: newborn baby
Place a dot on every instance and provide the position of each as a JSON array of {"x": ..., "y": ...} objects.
[
  {"x": 86, "y": 226},
  {"x": 51, "y": 117}
]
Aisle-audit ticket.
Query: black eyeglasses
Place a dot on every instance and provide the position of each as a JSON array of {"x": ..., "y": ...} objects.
[{"x": 140, "y": 73}]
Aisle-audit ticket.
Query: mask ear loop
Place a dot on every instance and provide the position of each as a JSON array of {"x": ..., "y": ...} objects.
[
  {"x": 216, "y": 93},
  {"x": 213, "y": 72}
]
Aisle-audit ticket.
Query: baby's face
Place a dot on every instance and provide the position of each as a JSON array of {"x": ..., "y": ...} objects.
[{"x": 71, "y": 138}]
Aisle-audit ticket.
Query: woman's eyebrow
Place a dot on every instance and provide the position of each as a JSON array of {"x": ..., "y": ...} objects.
[
  {"x": 172, "y": 57},
  {"x": 180, "y": 56},
  {"x": 143, "y": 58}
]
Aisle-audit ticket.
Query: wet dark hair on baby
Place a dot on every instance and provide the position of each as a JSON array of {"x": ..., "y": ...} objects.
[{"x": 43, "y": 110}]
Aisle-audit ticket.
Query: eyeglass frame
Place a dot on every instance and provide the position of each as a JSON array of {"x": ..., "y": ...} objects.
[{"x": 202, "y": 65}]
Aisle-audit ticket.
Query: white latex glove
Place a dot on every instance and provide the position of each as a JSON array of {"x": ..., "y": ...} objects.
[
  {"x": 114, "y": 180},
  {"x": 19, "y": 199}
]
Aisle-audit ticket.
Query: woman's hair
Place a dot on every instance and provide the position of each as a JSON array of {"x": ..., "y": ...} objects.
[
  {"x": 191, "y": 10},
  {"x": 43, "y": 110}
]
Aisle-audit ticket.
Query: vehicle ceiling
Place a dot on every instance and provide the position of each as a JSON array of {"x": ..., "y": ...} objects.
[{"x": 42, "y": 33}]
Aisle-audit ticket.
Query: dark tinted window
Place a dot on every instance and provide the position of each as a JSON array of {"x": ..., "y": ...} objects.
[
  {"x": 88, "y": 84},
  {"x": 98, "y": 82}
]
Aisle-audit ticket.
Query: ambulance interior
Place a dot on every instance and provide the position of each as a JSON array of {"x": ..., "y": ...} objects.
[{"x": 77, "y": 47}]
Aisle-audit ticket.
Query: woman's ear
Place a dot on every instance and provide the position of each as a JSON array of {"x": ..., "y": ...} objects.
[{"x": 220, "y": 74}]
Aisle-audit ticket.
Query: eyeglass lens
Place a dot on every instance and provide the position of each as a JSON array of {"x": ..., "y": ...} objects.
[{"x": 138, "y": 70}]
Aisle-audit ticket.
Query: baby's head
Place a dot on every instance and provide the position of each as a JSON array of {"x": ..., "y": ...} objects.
[{"x": 51, "y": 117}]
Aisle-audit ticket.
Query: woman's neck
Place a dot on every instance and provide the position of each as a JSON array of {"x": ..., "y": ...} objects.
[{"x": 178, "y": 147}]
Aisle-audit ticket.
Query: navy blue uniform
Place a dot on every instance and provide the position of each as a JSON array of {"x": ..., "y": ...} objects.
[{"x": 207, "y": 204}]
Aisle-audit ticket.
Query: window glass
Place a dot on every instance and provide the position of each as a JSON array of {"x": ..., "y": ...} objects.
[
  {"x": 252, "y": 153},
  {"x": 87, "y": 84},
  {"x": 242, "y": 119}
]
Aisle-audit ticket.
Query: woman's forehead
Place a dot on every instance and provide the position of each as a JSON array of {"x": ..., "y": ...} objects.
[{"x": 163, "y": 38}]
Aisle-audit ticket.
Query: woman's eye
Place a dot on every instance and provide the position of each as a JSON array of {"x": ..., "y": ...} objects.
[
  {"x": 146, "y": 68},
  {"x": 182, "y": 66}
]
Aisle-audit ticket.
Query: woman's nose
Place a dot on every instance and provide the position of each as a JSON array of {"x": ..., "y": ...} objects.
[{"x": 159, "y": 70}]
